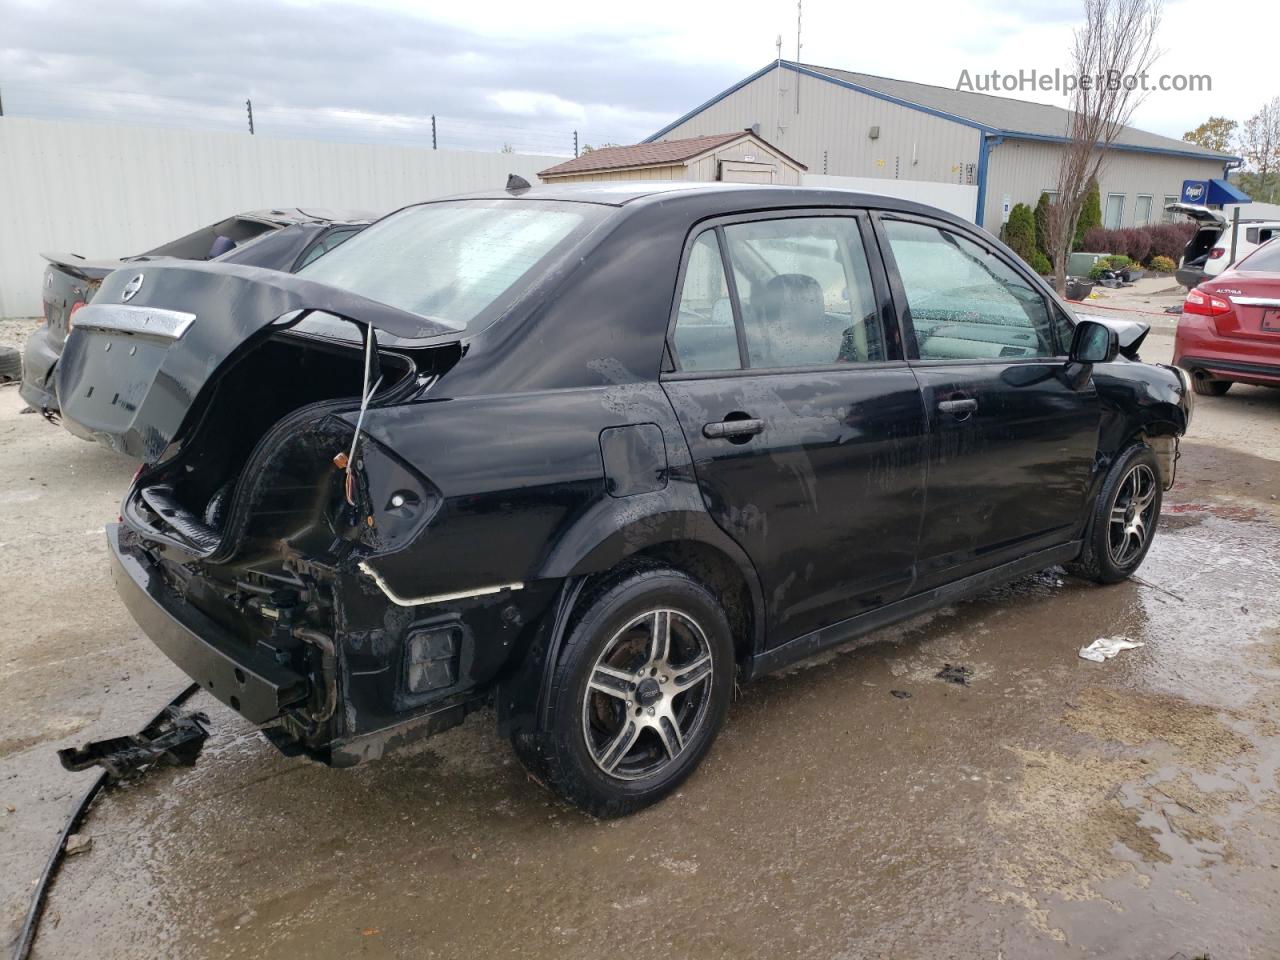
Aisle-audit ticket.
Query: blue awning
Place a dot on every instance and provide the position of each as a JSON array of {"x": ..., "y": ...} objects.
[{"x": 1212, "y": 193}]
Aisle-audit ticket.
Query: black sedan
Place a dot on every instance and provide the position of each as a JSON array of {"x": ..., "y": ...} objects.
[
  {"x": 284, "y": 239},
  {"x": 592, "y": 454}
]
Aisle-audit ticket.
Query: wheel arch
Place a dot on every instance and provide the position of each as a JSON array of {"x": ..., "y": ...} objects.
[{"x": 606, "y": 544}]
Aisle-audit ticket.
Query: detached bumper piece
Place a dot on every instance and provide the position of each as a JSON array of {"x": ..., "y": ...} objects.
[{"x": 172, "y": 739}]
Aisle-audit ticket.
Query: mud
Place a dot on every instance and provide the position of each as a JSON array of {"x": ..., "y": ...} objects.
[{"x": 1051, "y": 807}]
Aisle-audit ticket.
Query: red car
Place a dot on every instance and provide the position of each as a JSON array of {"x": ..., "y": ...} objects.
[{"x": 1230, "y": 327}]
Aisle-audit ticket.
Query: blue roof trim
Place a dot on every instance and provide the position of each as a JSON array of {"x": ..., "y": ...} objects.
[
  {"x": 711, "y": 103},
  {"x": 1129, "y": 147},
  {"x": 954, "y": 118}
]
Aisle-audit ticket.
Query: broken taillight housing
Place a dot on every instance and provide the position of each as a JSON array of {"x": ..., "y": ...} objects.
[
  {"x": 1217, "y": 253},
  {"x": 1205, "y": 304},
  {"x": 434, "y": 652},
  {"x": 71, "y": 314}
]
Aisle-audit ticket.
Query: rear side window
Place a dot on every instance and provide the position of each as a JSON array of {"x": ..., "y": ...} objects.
[
  {"x": 454, "y": 262},
  {"x": 810, "y": 300},
  {"x": 334, "y": 238},
  {"x": 705, "y": 337},
  {"x": 1266, "y": 259},
  {"x": 966, "y": 303}
]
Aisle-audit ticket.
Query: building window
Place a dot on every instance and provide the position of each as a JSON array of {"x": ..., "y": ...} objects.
[
  {"x": 1142, "y": 211},
  {"x": 1114, "y": 214},
  {"x": 1169, "y": 215}
]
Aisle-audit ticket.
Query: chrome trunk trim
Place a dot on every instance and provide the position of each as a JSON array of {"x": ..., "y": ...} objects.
[{"x": 147, "y": 321}]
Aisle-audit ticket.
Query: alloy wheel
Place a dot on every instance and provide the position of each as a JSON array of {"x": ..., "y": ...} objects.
[
  {"x": 1132, "y": 515},
  {"x": 648, "y": 694}
]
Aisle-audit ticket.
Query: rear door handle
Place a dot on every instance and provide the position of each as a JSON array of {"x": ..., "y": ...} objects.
[
  {"x": 958, "y": 407},
  {"x": 725, "y": 429}
]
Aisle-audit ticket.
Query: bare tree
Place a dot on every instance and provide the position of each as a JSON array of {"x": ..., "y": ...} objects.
[
  {"x": 1260, "y": 139},
  {"x": 1112, "y": 50}
]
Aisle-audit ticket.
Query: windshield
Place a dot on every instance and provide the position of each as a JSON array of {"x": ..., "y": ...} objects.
[{"x": 457, "y": 263}]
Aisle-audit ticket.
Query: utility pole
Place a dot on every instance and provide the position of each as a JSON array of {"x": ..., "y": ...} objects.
[
  {"x": 798, "y": 13},
  {"x": 1, "y": 106},
  {"x": 575, "y": 143},
  {"x": 248, "y": 105},
  {"x": 777, "y": 109},
  {"x": 433, "y": 131}
]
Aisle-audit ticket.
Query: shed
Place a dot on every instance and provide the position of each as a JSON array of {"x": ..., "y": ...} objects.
[{"x": 739, "y": 157}]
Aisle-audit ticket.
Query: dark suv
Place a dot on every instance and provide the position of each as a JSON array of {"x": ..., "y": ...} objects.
[{"x": 589, "y": 454}]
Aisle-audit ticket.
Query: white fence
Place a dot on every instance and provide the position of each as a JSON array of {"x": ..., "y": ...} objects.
[
  {"x": 955, "y": 198},
  {"x": 109, "y": 191}
]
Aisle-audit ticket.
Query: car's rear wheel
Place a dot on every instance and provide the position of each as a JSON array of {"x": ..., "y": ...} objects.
[
  {"x": 1208, "y": 387},
  {"x": 637, "y": 696},
  {"x": 1124, "y": 518}
]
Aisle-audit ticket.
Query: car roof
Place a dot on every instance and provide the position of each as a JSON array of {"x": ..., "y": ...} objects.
[
  {"x": 284, "y": 216},
  {"x": 722, "y": 196},
  {"x": 613, "y": 193}
]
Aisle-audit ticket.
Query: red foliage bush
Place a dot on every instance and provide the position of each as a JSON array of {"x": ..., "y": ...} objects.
[
  {"x": 1170, "y": 239},
  {"x": 1098, "y": 240},
  {"x": 1135, "y": 243},
  {"x": 1140, "y": 244}
]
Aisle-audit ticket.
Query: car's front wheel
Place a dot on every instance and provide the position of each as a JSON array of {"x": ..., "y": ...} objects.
[
  {"x": 638, "y": 694},
  {"x": 1124, "y": 518}
]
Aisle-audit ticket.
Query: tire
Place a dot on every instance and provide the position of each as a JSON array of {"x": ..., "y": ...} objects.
[
  {"x": 1124, "y": 518},
  {"x": 10, "y": 364},
  {"x": 625, "y": 724},
  {"x": 1208, "y": 387}
]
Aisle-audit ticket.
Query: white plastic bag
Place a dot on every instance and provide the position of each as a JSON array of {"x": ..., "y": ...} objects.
[{"x": 1104, "y": 648}]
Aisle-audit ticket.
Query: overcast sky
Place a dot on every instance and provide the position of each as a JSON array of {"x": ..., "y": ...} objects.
[{"x": 530, "y": 73}]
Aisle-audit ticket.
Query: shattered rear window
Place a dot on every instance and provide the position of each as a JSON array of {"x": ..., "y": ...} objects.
[{"x": 455, "y": 263}]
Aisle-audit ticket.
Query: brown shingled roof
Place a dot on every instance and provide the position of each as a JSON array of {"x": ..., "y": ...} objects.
[{"x": 650, "y": 154}]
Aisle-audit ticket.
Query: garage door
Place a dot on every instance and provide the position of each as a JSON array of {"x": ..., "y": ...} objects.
[{"x": 743, "y": 171}]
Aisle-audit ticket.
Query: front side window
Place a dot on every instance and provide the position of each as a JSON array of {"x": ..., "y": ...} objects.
[
  {"x": 808, "y": 300},
  {"x": 965, "y": 302},
  {"x": 454, "y": 262},
  {"x": 705, "y": 337}
]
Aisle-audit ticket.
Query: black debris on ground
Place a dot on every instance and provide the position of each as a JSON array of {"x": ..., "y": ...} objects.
[{"x": 954, "y": 673}]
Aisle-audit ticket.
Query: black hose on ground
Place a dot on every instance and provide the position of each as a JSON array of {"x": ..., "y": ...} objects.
[{"x": 28, "y": 935}]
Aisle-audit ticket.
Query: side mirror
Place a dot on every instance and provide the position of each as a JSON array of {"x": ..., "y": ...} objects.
[{"x": 1094, "y": 342}]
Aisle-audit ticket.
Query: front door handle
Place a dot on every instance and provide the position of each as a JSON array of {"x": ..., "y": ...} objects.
[
  {"x": 959, "y": 408},
  {"x": 729, "y": 429}
]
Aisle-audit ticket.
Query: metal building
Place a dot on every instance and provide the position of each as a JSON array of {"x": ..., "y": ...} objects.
[
  {"x": 738, "y": 157},
  {"x": 853, "y": 124}
]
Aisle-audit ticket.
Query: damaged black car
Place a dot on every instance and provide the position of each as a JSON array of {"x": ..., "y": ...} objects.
[{"x": 592, "y": 454}]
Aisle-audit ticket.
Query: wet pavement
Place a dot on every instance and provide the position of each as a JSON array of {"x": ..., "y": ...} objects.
[{"x": 1050, "y": 807}]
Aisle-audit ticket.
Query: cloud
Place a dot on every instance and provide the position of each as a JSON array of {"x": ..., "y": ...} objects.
[
  {"x": 330, "y": 67},
  {"x": 503, "y": 71}
]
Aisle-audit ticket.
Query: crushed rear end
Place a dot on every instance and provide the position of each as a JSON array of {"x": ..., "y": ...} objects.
[{"x": 241, "y": 539}]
